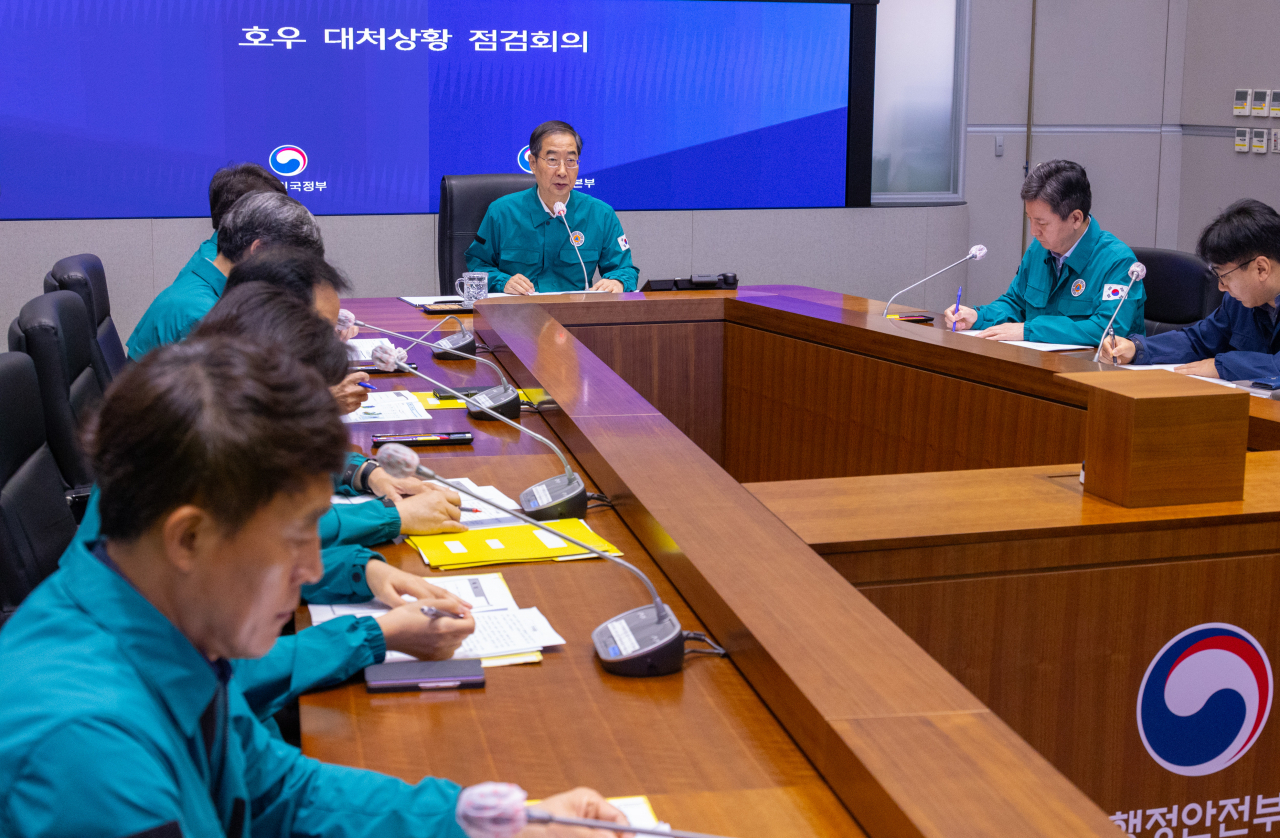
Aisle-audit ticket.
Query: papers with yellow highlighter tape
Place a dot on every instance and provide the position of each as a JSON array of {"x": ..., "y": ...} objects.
[
  {"x": 502, "y": 545},
  {"x": 429, "y": 400}
]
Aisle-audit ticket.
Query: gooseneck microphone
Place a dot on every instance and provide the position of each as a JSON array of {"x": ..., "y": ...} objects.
[
  {"x": 975, "y": 253},
  {"x": 500, "y": 810},
  {"x": 562, "y": 496},
  {"x": 560, "y": 210},
  {"x": 643, "y": 641},
  {"x": 502, "y": 398},
  {"x": 461, "y": 340},
  {"x": 1137, "y": 273}
]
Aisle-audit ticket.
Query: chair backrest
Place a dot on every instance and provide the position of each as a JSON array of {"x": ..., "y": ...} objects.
[
  {"x": 59, "y": 339},
  {"x": 84, "y": 275},
  {"x": 35, "y": 524},
  {"x": 464, "y": 199},
  {"x": 1181, "y": 289}
]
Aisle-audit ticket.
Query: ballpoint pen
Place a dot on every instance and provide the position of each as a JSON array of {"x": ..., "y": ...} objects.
[
  {"x": 957, "y": 311},
  {"x": 366, "y": 385},
  {"x": 433, "y": 612}
]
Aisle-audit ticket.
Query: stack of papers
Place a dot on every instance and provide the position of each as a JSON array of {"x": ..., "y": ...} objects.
[
  {"x": 431, "y": 301},
  {"x": 637, "y": 810},
  {"x": 1030, "y": 344},
  {"x": 507, "y": 544},
  {"x": 505, "y": 633},
  {"x": 493, "y": 509},
  {"x": 388, "y": 406}
]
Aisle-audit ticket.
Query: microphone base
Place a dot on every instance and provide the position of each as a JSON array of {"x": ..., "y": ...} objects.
[
  {"x": 503, "y": 400},
  {"x": 562, "y": 496},
  {"x": 445, "y": 348},
  {"x": 636, "y": 644}
]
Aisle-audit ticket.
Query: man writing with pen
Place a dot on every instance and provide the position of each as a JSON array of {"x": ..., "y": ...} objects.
[{"x": 1241, "y": 339}]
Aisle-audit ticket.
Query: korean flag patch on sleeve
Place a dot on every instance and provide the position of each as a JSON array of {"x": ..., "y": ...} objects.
[
  {"x": 623, "y": 243},
  {"x": 1113, "y": 292}
]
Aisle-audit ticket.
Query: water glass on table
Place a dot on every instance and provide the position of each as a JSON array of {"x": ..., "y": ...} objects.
[{"x": 474, "y": 285}]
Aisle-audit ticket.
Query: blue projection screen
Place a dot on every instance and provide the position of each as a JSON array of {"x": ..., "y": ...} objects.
[{"x": 125, "y": 108}]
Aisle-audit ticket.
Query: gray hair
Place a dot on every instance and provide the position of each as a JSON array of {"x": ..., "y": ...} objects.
[{"x": 274, "y": 219}]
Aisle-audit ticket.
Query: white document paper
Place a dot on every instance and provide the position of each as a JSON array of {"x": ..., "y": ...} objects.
[
  {"x": 361, "y": 349},
  {"x": 388, "y": 406},
  {"x": 1031, "y": 344},
  {"x": 501, "y": 627},
  {"x": 1169, "y": 367},
  {"x": 493, "y": 509},
  {"x": 508, "y": 633}
]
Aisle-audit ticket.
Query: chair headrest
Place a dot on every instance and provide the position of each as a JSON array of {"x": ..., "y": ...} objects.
[
  {"x": 58, "y": 323},
  {"x": 84, "y": 275}
]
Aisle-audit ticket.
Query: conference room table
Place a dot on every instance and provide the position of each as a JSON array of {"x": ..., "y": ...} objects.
[{"x": 766, "y": 450}]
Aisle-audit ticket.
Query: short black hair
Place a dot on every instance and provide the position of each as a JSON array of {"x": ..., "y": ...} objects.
[
  {"x": 268, "y": 314},
  {"x": 1245, "y": 230},
  {"x": 1062, "y": 185},
  {"x": 546, "y": 129},
  {"x": 296, "y": 271},
  {"x": 271, "y": 218},
  {"x": 231, "y": 183},
  {"x": 220, "y": 423}
]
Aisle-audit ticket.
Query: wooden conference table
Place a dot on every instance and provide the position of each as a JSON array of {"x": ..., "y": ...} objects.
[{"x": 669, "y": 402}]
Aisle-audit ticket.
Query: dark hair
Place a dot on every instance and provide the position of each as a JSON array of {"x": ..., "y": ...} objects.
[
  {"x": 220, "y": 423},
  {"x": 546, "y": 129},
  {"x": 230, "y": 183},
  {"x": 1062, "y": 185},
  {"x": 296, "y": 271},
  {"x": 1245, "y": 230},
  {"x": 268, "y": 314},
  {"x": 271, "y": 218}
]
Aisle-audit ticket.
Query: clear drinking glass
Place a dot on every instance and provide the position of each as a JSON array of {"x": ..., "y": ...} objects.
[{"x": 473, "y": 286}]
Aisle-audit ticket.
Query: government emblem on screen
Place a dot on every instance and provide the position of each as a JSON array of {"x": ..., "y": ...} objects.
[
  {"x": 522, "y": 160},
  {"x": 288, "y": 161},
  {"x": 1204, "y": 699}
]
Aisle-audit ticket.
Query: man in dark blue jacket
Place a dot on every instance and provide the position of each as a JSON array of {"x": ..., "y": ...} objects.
[{"x": 1241, "y": 340}]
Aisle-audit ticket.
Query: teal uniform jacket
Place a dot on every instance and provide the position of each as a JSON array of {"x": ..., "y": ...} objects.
[
  {"x": 177, "y": 309},
  {"x": 1072, "y": 307},
  {"x": 315, "y": 657},
  {"x": 112, "y": 723},
  {"x": 518, "y": 236}
]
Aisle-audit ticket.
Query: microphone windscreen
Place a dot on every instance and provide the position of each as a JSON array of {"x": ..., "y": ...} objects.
[
  {"x": 398, "y": 460},
  {"x": 492, "y": 810},
  {"x": 345, "y": 320},
  {"x": 385, "y": 356},
  {"x": 559, "y": 208},
  {"x": 1137, "y": 271},
  {"x": 977, "y": 252}
]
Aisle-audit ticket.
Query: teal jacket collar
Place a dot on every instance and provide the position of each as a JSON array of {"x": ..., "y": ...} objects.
[
  {"x": 208, "y": 273},
  {"x": 1042, "y": 284},
  {"x": 163, "y": 657},
  {"x": 537, "y": 215}
]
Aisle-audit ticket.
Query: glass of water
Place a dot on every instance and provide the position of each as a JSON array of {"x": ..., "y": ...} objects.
[{"x": 473, "y": 286}]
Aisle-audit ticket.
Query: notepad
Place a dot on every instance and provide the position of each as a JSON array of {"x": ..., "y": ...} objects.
[
  {"x": 361, "y": 349},
  {"x": 501, "y": 545}
]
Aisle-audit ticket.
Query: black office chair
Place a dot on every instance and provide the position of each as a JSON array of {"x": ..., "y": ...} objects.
[
  {"x": 35, "y": 524},
  {"x": 1181, "y": 289},
  {"x": 84, "y": 275},
  {"x": 56, "y": 332},
  {"x": 464, "y": 199}
]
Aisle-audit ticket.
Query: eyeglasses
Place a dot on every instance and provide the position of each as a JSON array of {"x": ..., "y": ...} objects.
[
  {"x": 1225, "y": 274},
  {"x": 555, "y": 162}
]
